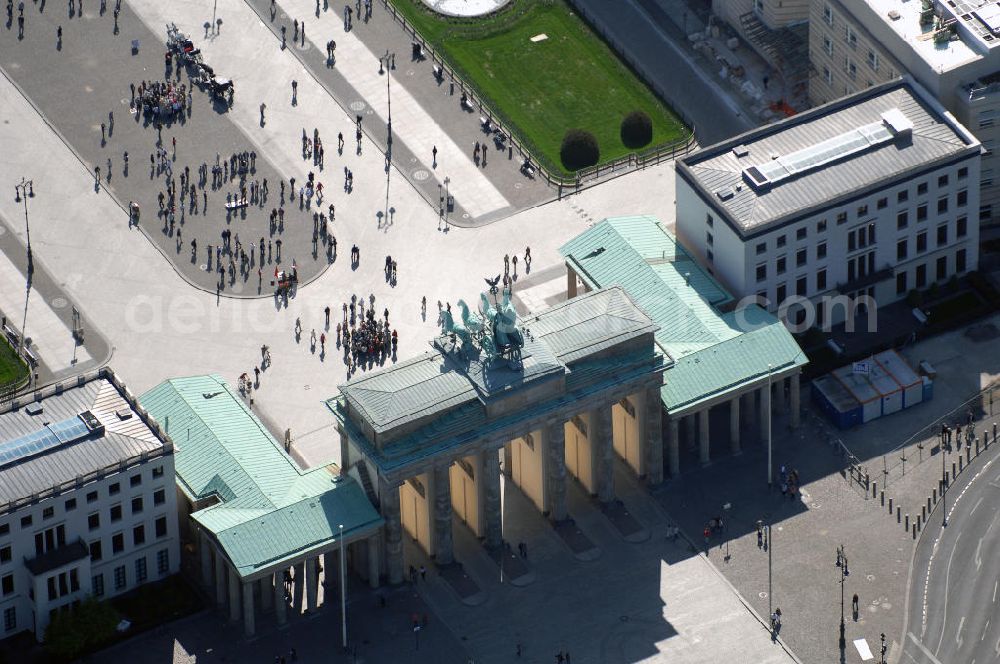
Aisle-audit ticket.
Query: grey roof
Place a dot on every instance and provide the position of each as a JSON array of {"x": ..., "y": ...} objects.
[
  {"x": 122, "y": 439},
  {"x": 440, "y": 380},
  {"x": 936, "y": 138}
]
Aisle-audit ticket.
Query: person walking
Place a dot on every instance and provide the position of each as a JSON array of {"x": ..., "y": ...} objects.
[{"x": 262, "y": 107}]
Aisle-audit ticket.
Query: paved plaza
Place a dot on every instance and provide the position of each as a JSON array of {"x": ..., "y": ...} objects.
[{"x": 154, "y": 309}]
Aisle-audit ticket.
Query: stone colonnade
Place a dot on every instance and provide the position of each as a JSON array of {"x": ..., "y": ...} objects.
[
  {"x": 748, "y": 408},
  {"x": 288, "y": 587},
  {"x": 539, "y": 461}
]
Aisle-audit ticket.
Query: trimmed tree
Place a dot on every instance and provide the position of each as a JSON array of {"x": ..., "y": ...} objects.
[
  {"x": 579, "y": 150},
  {"x": 82, "y": 630},
  {"x": 637, "y": 130}
]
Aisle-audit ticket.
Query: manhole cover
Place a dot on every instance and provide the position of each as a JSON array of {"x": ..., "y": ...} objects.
[
  {"x": 59, "y": 302},
  {"x": 358, "y": 106},
  {"x": 420, "y": 175}
]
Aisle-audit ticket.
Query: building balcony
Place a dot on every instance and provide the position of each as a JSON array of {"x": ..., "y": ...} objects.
[
  {"x": 56, "y": 558},
  {"x": 869, "y": 279}
]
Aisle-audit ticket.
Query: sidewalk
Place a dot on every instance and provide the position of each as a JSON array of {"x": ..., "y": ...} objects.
[{"x": 831, "y": 510}]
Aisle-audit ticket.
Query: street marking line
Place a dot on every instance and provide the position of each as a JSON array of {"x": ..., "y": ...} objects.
[
  {"x": 979, "y": 557},
  {"x": 976, "y": 506},
  {"x": 985, "y": 629},
  {"x": 947, "y": 580},
  {"x": 958, "y": 635},
  {"x": 927, "y": 653},
  {"x": 995, "y": 584}
]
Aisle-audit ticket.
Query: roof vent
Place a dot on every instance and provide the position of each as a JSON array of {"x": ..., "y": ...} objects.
[
  {"x": 34, "y": 408},
  {"x": 725, "y": 193},
  {"x": 893, "y": 14},
  {"x": 124, "y": 413},
  {"x": 741, "y": 151},
  {"x": 897, "y": 123}
]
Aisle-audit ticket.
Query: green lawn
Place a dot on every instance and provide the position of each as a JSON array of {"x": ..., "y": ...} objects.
[
  {"x": 11, "y": 367},
  {"x": 570, "y": 80}
]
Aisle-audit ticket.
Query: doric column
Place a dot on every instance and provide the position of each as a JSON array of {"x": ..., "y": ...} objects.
[
  {"x": 311, "y": 581},
  {"x": 555, "y": 463},
  {"x": 765, "y": 411},
  {"x": 220, "y": 578},
  {"x": 793, "y": 393},
  {"x": 734, "y": 425},
  {"x": 690, "y": 437},
  {"x": 674, "y": 441},
  {"x": 280, "y": 606},
  {"x": 492, "y": 508},
  {"x": 266, "y": 593},
  {"x": 602, "y": 446},
  {"x": 234, "y": 596},
  {"x": 374, "y": 569},
  {"x": 570, "y": 282},
  {"x": 205, "y": 547},
  {"x": 389, "y": 503},
  {"x": 508, "y": 459},
  {"x": 443, "y": 548},
  {"x": 704, "y": 452},
  {"x": 248, "y": 610},
  {"x": 298, "y": 586},
  {"x": 654, "y": 436}
]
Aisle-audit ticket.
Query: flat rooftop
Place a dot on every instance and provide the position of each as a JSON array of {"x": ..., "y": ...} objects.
[
  {"x": 45, "y": 443},
  {"x": 974, "y": 21},
  {"x": 824, "y": 156}
]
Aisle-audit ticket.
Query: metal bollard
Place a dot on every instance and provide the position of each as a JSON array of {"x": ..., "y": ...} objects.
[
  {"x": 934, "y": 495},
  {"x": 960, "y": 464},
  {"x": 899, "y": 514},
  {"x": 953, "y": 472},
  {"x": 968, "y": 454},
  {"x": 874, "y": 489},
  {"x": 907, "y": 522},
  {"x": 881, "y": 495},
  {"x": 923, "y": 511},
  {"x": 890, "y": 505},
  {"x": 928, "y": 503}
]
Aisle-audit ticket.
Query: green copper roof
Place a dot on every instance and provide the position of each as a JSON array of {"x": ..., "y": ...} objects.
[
  {"x": 269, "y": 509},
  {"x": 712, "y": 352}
]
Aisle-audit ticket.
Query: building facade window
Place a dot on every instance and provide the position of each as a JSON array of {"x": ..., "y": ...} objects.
[
  {"x": 97, "y": 585},
  {"x": 70, "y": 505},
  {"x": 961, "y": 227},
  {"x": 943, "y": 180},
  {"x": 781, "y": 241},
  {"x": 802, "y": 286},
  {"x": 942, "y": 205},
  {"x": 10, "y": 619},
  {"x": 902, "y": 220},
  {"x": 901, "y": 282},
  {"x": 5, "y": 554},
  {"x": 780, "y": 265},
  {"x": 942, "y": 235},
  {"x": 140, "y": 569},
  {"x": 921, "y": 189},
  {"x": 7, "y": 585},
  {"x": 161, "y": 527},
  {"x": 922, "y": 212},
  {"x": 801, "y": 257},
  {"x": 114, "y": 489},
  {"x": 902, "y": 196},
  {"x": 821, "y": 250},
  {"x": 95, "y": 551},
  {"x": 960, "y": 260},
  {"x": 159, "y": 497},
  {"x": 827, "y": 44},
  {"x": 821, "y": 280},
  {"x": 137, "y": 505},
  {"x": 901, "y": 250},
  {"x": 962, "y": 198},
  {"x": 941, "y": 269},
  {"x": 921, "y": 242},
  {"x": 117, "y": 543},
  {"x": 116, "y": 513},
  {"x": 136, "y": 480},
  {"x": 761, "y": 272},
  {"x": 828, "y": 13},
  {"x": 94, "y": 521},
  {"x": 921, "y": 277},
  {"x": 139, "y": 535},
  {"x": 91, "y": 496},
  {"x": 761, "y": 248},
  {"x": 873, "y": 60},
  {"x": 162, "y": 561},
  {"x": 120, "y": 579},
  {"x": 821, "y": 226},
  {"x": 882, "y": 203}
]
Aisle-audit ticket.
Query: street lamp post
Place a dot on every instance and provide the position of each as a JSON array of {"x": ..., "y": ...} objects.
[
  {"x": 343, "y": 591},
  {"x": 726, "y": 508},
  {"x": 770, "y": 472},
  {"x": 447, "y": 197},
  {"x": 842, "y": 564},
  {"x": 24, "y": 190},
  {"x": 945, "y": 432},
  {"x": 770, "y": 548}
]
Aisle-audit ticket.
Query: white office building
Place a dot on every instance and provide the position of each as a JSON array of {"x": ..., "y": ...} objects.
[
  {"x": 952, "y": 48},
  {"x": 871, "y": 195},
  {"x": 87, "y": 500}
]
